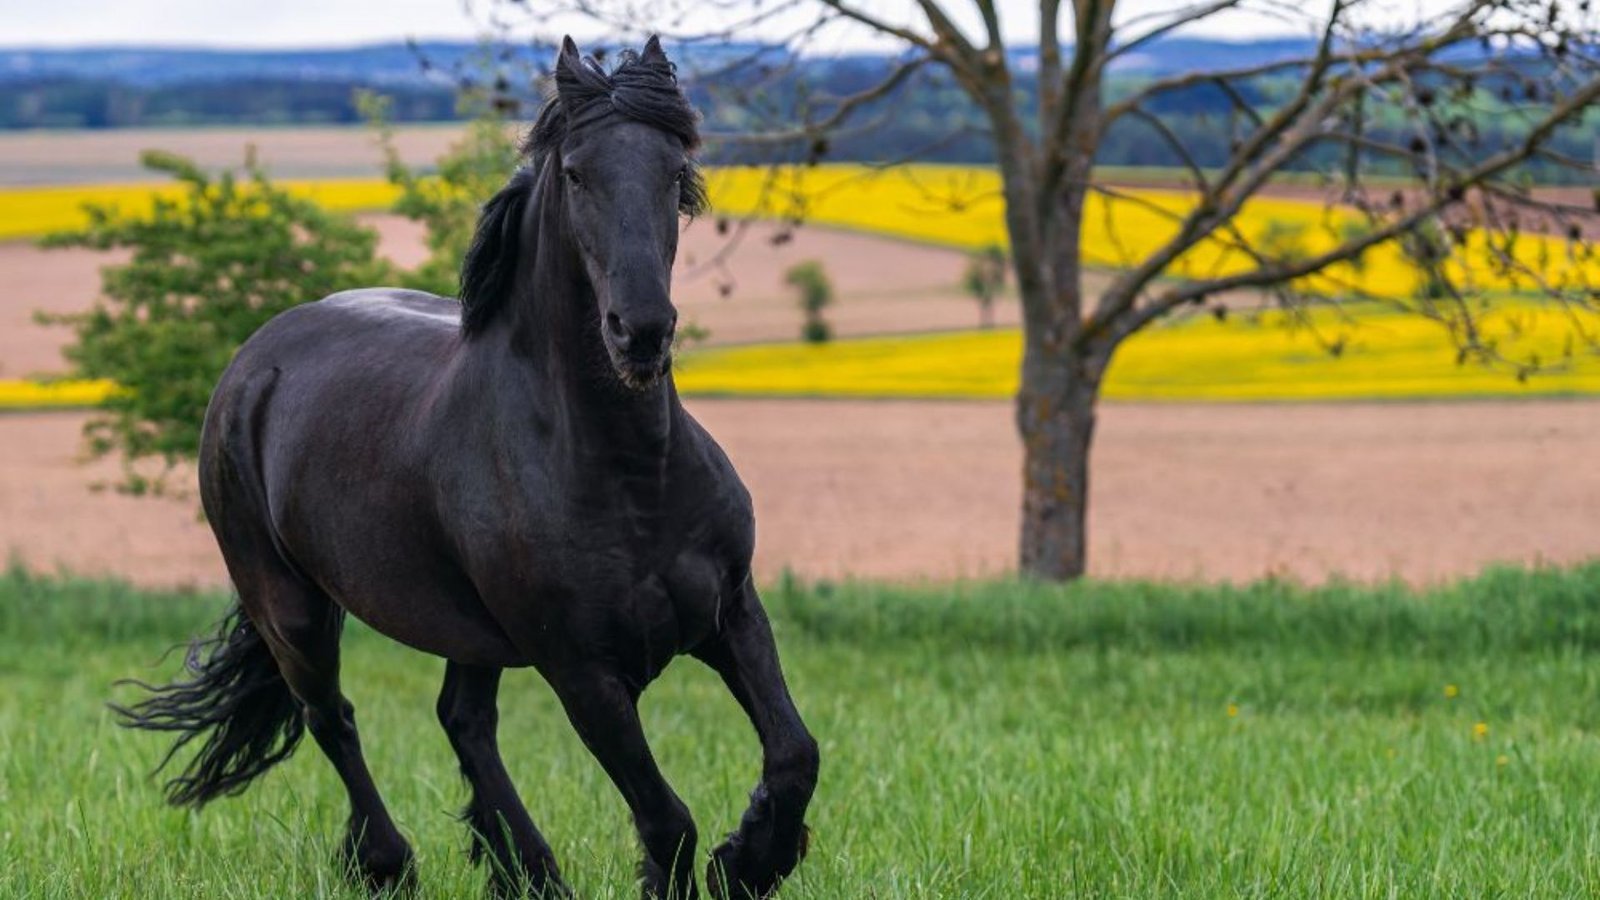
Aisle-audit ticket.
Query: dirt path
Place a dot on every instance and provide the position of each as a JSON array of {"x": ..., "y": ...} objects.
[{"x": 929, "y": 490}]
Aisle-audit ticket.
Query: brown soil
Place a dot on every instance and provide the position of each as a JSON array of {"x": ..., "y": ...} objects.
[
  {"x": 929, "y": 490},
  {"x": 112, "y": 156}
]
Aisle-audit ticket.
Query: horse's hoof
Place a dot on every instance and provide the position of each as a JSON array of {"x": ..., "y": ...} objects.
[
  {"x": 656, "y": 884},
  {"x": 384, "y": 869},
  {"x": 737, "y": 873}
]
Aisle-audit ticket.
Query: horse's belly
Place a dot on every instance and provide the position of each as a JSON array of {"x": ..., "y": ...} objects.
[{"x": 435, "y": 619}]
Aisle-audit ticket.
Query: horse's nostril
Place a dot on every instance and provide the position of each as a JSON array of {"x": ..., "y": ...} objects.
[{"x": 615, "y": 325}]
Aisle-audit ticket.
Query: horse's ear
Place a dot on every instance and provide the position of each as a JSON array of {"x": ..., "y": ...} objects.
[
  {"x": 568, "y": 60},
  {"x": 490, "y": 265},
  {"x": 652, "y": 51},
  {"x": 569, "y": 68}
]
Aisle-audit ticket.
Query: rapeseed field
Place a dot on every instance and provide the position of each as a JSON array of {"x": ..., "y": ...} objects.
[
  {"x": 34, "y": 211},
  {"x": 1382, "y": 355},
  {"x": 962, "y": 206}
]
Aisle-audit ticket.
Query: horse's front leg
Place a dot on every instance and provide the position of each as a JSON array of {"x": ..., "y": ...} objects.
[
  {"x": 604, "y": 710},
  {"x": 771, "y": 837}
]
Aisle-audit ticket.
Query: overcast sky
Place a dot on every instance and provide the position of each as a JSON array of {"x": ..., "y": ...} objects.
[{"x": 325, "y": 23}]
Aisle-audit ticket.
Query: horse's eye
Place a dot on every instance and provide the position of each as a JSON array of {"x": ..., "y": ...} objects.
[
  {"x": 573, "y": 178},
  {"x": 683, "y": 173}
]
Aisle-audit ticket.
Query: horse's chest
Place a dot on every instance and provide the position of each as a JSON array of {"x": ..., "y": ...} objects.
[
  {"x": 643, "y": 605},
  {"x": 654, "y": 579}
]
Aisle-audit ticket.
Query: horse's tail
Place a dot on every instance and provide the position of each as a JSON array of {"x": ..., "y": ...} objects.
[{"x": 236, "y": 700}]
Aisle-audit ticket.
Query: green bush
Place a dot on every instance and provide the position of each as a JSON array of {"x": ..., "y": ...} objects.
[{"x": 207, "y": 269}]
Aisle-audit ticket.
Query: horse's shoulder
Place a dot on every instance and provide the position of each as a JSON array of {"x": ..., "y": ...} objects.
[{"x": 716, "y": 481}]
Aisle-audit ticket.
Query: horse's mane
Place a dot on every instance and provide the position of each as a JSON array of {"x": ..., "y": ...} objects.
[{"x": 643, "y": 88}]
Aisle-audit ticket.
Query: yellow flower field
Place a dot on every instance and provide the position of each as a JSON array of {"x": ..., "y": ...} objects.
[
  {"x": 19, "y": 395},
  {"x": 1387, "y": 356},
  {"x": 951, "y": 205},
  {"x": 33, "y": 211},
  {"x": 961, "y": 206}
]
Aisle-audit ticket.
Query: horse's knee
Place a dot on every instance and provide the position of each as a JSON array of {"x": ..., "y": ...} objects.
[
  {"x": 791, "y": 773},
  {"x": 466, "y": 722},
  {"x": 331, "y": 718}
]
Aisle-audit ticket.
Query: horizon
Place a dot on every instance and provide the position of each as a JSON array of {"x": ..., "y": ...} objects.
[
  {"x": 313, "y": 25},
  {"x": 186, "y": 47}
]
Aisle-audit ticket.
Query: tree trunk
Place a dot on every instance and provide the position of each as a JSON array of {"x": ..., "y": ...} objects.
[{"x": 1055, "y": 417}]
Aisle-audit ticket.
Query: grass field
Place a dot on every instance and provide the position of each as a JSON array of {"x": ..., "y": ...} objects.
[{"x": 979, "y": 741}]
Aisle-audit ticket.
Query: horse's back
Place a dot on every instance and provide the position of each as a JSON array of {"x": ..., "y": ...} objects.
[
  {"x": 380, "y": 320},
  {"x": 350, "y": 362}
]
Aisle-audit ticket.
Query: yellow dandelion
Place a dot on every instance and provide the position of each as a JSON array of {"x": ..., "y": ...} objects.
[
  {"x": 1233, "y": 711},
  {"x": 1451, "y": 692},
  {"x": 1480, "y": 731},
  {"x": 1502, "y": 760}
]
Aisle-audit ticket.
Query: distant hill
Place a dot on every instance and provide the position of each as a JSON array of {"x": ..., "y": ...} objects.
[
  {"x": 398, "y": 63},
  {"x": 377, "y": 64},
  {"x": 928, "y": 118}
]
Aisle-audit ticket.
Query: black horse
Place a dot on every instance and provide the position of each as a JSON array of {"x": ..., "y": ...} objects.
[{"x": 505, "y": 481}]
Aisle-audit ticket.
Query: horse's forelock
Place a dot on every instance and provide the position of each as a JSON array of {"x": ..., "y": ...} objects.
[{"x": 643, "y": 88}]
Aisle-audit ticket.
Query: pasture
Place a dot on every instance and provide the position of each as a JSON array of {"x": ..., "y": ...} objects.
[{"x": 980, "y": 740}]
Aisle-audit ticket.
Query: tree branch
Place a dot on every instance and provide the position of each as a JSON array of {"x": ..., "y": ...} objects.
[
  {"x": 1288, "y": 271},
  {"x": 842, "y": 110}
]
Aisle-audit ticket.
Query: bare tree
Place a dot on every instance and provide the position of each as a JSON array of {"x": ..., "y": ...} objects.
[{"x": 1430, "y": 78}]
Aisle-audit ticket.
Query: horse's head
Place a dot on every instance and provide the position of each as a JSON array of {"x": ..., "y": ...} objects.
[{"x": 615, "y": 151}]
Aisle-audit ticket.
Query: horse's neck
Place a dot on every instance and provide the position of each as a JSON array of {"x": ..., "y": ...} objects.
[{"x": 552, "y": 329}]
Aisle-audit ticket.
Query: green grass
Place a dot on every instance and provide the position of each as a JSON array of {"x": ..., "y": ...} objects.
[{"x": 989, "y": 740}]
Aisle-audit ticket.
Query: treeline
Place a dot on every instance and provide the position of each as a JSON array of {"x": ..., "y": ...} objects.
[
  {"x": 70, "y": 102},
  {"x": 928, "y": 118}
]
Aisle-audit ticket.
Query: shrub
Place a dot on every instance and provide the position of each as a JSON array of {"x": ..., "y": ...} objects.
[
  {"x": 984, "y": 278},
  {"x": 207, "y": 269}
]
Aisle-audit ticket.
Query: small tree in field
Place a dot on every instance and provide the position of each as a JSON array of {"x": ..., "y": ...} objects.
[
  {"x": 984, "y": 279},
  {"x": 810, "y": 280},
  {"x": 209, "y": 267},
  {"x": 446, "y": 200}
]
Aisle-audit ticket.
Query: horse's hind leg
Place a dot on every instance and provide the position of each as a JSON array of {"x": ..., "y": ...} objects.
[
  {"x": 605, "y": 713},
  {"x": 302, "y": 627},
  {"x": 501, "y": 827},
  {"x": 771, "y": 837}
]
